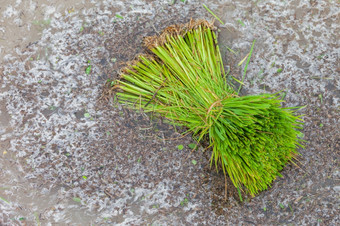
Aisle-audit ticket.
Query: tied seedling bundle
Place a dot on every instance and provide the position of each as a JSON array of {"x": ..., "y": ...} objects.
[{"x": 252, "y": 137}]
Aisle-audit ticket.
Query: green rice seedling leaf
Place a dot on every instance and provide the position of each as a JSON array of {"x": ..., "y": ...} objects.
[
  {"x": 320, "y": 97},
  {"x": 241, "y": 22},
  {"x": 246, "y": 67},
  {"x": 192, "y": 145},
  {"x": 37, "y": 218},
  {"x": 88, "y": 69},
  {"x": 76, "y": 199},
  {"x": 239, "y": 194},
  {"x": 3, "y": 199},
  {"x": 180, "y": 147},
  {"x": 212, "y": 14},
  {"x": 251, "y": 137},
  {"x": 87, "y": 115},
  {"x": 231, "y": 50},
  {"x": 119, "y": 16}
]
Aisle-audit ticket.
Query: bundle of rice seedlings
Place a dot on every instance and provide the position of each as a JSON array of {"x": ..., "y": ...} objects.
[{"x": 252, "y": 137}]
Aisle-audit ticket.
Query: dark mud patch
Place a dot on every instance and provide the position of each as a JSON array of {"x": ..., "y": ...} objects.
[{"x": 115, "y": 166}]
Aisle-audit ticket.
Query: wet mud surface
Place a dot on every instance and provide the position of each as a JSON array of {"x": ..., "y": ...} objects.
[{"x": 71, "y": 155}]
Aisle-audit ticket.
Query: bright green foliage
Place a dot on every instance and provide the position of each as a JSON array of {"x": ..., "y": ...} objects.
[
  {"x": 192, "y": 146},
  {"x": 251, "y": 137},
  {"x": 88, "y": 70},
  {"x": 76, "y": 199}
]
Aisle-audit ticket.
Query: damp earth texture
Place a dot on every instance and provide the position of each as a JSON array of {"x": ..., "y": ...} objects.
[{"x": 71, "y": 155}]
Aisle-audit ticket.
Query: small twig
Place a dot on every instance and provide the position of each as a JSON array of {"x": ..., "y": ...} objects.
[
  {"x": 245, "y": 68},
  {"x": 154, "y": 95},
  {"x": 225, "y": 187},
  {"x": 190, "y": 153},
  {"x": 108, "y": 194},
  {"x": 206, "y": 148},
  {"x": 175, "y": 138}
]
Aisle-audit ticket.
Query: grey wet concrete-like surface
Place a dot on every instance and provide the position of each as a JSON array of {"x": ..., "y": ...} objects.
[{"x": 71, "y": 155}]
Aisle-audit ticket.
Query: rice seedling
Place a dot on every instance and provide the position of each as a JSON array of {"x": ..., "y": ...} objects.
[{"x": 183, "y": 79}]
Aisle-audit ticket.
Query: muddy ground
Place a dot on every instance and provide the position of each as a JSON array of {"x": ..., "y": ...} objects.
[{"x": 70, "y": 155}]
